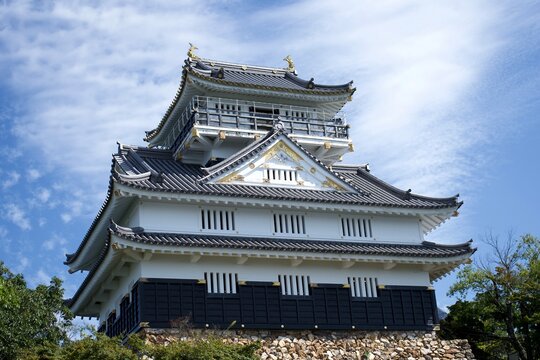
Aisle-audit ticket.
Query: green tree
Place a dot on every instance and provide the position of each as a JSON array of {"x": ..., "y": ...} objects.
[
  {"x": 97, "y": 347},
  {"x": 30, "y": 317},
  {"x": 504, "y": 315}
]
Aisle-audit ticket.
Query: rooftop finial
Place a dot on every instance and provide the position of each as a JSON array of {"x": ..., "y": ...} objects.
[
  {"x": 290, "y": 64},
  {"x": 191, "y": 52}
]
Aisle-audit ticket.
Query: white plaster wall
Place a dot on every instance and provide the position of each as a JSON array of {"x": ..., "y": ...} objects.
[
  {"x": 169, "y": 217},
  {"x": 133, "y": 218},
  {"x": 124, "y": 287},
  {"x": 182, "y": 218},
  {"x": 180, "y": 267},
  {"x": 397, "y": 229}
]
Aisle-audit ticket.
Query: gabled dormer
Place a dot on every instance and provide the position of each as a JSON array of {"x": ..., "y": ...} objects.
[{"x": 277, "y": 161}]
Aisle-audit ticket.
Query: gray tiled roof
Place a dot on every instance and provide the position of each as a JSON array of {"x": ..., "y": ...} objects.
[
  {"x": 425, "y": 249},
  {"x": 261, "y": 77},
  {"x": 179, "y": 177}
]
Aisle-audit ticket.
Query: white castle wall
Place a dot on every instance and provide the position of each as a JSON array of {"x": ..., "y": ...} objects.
[
  {"x": 181, "y": 267},
  {"x": 182, "y": 218}
]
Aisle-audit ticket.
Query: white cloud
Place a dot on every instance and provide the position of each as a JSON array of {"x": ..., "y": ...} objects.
[
  {"x": 66, "y": 217},
  {"x": 16, "y": 215},
  {"x": 33, "y": 174},
  {"x": 43, "y": 195},
  {"x": 415, "y": 65},
  {"x": 54, "y": 242},
  {"x": 74, "y": 208},
  {"x": 12, "y": 178},
  {"x": 93, "y": 81},
  {"x": 40, "y": 277},
  {"x": 3, "y": 232},
  {"x": 22, "y": 265}
]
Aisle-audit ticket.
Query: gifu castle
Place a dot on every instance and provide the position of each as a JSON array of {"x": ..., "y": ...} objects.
[{"x": 239, "y": 214}]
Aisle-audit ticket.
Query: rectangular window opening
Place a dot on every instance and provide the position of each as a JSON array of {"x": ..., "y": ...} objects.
[
  {"x": 363, "y": 287},
  {"x": 221, "y": 283},
  {"x": 358, "y": 228},
  {"x": 289, "y": 224},
  {"x": 218, "y": 220}
]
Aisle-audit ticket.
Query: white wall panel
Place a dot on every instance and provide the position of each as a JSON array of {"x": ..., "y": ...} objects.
[
  {"x": 182, "y": 218},
  {"x": 179, "y": 267}
]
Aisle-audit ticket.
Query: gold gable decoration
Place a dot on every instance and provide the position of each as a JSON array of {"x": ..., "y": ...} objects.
[
  {"x": 281, "y": 147},
  {"x": 234, "y": 176},
  {"x": 332, "y": 184}
]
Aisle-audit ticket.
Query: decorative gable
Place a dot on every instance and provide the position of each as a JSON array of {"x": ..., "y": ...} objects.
[{"x": 280, "y": 163}]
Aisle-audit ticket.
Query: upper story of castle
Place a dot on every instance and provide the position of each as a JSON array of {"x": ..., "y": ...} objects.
[{"x": 220, "y": 108}]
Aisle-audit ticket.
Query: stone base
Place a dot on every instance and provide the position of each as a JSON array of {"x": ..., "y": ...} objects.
[{"x": 372, "y": 345}]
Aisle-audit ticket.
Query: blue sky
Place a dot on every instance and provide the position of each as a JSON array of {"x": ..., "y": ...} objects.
[{"x": 447, "y": 101}]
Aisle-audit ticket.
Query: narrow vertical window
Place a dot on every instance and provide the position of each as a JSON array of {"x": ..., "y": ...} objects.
[
  {"x": 363, "y": 287},
  {"x": 358, "y": 228},
  {"x": 217, "y": 220}
]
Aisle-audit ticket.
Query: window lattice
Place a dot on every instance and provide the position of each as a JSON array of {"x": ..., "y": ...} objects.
[
  {"x": 281, "y": 176},
  {"x": 221, "y": 283},
  {"x": 356, "y": 227},
  {"x": 363, "y": 286},
  {"x": 289, "y": 224},
  {"x": 222, "y": 220},
  {"x": 294, "y": 285}
]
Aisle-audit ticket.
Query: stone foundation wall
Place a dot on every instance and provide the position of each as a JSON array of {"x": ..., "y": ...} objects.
[{"x": 410, "y": 345}]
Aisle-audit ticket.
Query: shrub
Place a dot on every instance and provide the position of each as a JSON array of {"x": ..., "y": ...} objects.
[{"x": 209, "y": 349}]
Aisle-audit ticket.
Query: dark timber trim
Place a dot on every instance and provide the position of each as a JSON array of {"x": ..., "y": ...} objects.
[{"x": 260, "y": 305}]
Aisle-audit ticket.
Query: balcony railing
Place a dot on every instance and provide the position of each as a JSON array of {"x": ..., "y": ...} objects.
[{"x": 256, "y": 116}]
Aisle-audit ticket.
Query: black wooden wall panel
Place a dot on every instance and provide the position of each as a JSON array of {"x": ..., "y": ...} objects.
[{"x": 261, "y": 305}]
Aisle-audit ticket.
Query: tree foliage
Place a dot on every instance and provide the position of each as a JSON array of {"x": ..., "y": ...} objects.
[
  {"x": 504, "y": 315},
  {"x": 30, "y": 317},
  {"x": 200, "y": 349},
  {"x": 98, "y": 346}
]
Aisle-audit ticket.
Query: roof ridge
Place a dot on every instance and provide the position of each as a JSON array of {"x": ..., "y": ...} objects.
[{"x": 217, "y": 63}]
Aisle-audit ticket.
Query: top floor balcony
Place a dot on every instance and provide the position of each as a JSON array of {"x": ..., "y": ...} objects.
[{"x": 252, "y": 116}]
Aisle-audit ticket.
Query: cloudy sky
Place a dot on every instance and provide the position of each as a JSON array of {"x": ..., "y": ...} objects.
[{"x": 447, "y": 101}]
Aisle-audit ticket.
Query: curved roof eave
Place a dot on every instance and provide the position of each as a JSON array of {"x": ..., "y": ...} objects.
[
  {"x": 420, "y": 250},
  {"x": 83, "y": 257}
]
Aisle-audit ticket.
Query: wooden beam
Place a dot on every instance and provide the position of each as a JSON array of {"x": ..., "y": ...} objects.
[
  {"x": 135, "y": 256},
  {"x": 205, "y": 142}
]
